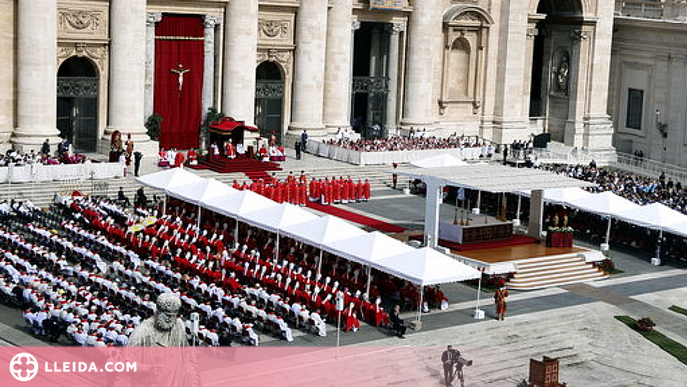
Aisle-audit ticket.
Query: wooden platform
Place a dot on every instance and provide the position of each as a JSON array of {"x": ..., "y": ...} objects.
[{"x": 516, "y": 253}]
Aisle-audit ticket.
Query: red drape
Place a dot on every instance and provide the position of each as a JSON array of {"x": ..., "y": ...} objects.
[{"x": 181, "y": 112}]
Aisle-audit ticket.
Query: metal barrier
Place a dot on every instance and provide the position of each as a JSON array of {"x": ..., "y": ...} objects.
[{"x": 649, "y": 167}]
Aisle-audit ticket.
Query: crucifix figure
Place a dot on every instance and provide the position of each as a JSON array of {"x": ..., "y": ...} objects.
[{"x": 180, "y": 71}]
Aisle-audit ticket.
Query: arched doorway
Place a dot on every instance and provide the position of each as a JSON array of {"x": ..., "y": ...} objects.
[
  {"x": 554, "y": 63},
  {"x": 77, "y": 103},
  {"x": 269, "y": 99}
]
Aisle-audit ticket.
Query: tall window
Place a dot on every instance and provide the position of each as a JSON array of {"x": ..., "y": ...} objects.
[{"x": 635, "y": 106}]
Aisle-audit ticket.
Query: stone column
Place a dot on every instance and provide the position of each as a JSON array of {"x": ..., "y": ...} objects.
[
  {"x": 36, "y": 74},
  {"x": 127, "y": 70},
  {"x": 574, "y": 127},
  {"x": 7, "y": 70},
  {"x": 240, "y": 51},
  {"x": 308, "y": 78},
  {"x": 338, "y": 67},
  {"x": 598, "y": 126},
  {"x": 423, "y": 30},
  {"x": 209, "y": 23},
  {"x": 392, "y": 71},
  {"x": 151, "y": 21},
  {"x": 532, "y": 33},
  {"x": 534, "y": 227},
  {"x": 355, "y": 26}
]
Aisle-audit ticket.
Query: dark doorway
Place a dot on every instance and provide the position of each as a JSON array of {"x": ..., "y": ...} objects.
[
  {"x": 370, "y": 82},
  {"x": 77, "y": 103},
  {"x": 269, "y": 99},
  {"x": 536, "y": 106}
]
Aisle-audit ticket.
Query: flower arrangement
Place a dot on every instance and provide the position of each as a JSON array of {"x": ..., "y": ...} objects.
[
  {"x": 646, "y": 324},
  {"x": 561, "y": 229}
]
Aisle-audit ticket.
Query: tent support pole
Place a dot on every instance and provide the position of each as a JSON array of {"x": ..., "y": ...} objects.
[
  {"x": 276, "y": 253},
  {"x": 419, "y": 307},
  {"x": 236, "y": 231},
  {"x": 660, "y": 242},
  {"x": 608, "y": 230},
  {"x": 369, "y": 280},
  {"x": 200, "y": 210},
  {"x": 319, "y": 263},
  {"x": 519, "y": 205},
  {"x": 479, "y": 199},
  {"x": 164, "y": 205}
]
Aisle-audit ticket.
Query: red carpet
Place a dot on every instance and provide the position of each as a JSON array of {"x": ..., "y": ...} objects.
[
  {"x": 357, "y": 218},
  {"x": 516, "y": 240},
  {"x": 250, "y": 167}
]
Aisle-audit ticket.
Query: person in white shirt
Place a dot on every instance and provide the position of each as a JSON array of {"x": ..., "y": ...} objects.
[{"x": 319, "y": 323}]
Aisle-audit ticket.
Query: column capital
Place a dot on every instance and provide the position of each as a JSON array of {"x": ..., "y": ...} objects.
[
  {"x": 152, "y": 18},
  {"x": 396, "y": 28},
  {"x": 210, "y": 21},
  {"x": 532, "y": 32},
  {"x": 355, "y": 25}
]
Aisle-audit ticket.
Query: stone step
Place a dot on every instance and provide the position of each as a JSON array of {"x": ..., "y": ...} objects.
[
  {"x": 543, "y": 276},
  {"x": 579, "y": 268},
  {"x": 544, "y": 260},
  {"x": 565, "y": 260},
  {"x": 533, "y": 285}
]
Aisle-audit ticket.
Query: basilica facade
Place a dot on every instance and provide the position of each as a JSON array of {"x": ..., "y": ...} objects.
[{"x": 502, "y": 70}]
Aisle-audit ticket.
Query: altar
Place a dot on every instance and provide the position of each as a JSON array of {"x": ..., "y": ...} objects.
[{"x": 480, "y": 228}]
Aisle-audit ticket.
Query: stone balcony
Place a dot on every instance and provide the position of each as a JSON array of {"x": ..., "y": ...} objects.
[{"x": 666, "y": 10}]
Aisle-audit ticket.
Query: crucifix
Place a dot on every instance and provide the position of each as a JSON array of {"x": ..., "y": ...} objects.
[{"x": 180, "y": 71}]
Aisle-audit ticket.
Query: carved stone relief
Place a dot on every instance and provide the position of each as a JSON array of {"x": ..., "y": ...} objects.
[
  {"x": 283, "y": 57},
  {"x": 98, "y": 53},
  {"x": 273, "y": 29},
  {"x": 81, "y": 21}
]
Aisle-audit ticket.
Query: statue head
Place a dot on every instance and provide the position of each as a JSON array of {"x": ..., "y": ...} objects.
[{"x": 168, "y": 305}]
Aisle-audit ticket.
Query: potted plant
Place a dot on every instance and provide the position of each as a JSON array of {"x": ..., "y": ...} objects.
[{"x": 646, "y": 324}]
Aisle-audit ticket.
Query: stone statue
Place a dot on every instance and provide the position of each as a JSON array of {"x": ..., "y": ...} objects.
[
  {"x": 563, "y": 74},
  {"x": 165, "y": 329},
  {"x": 162, "y": 351}
]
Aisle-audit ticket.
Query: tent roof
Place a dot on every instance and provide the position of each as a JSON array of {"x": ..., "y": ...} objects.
[
  {"x": 369, "y": 247},
  {"x": 200, "y": 191},
  {"x": 323, "y": 231},
  {"x": 562, "y": 195},
  {"x": 605, "y": 203},
  {"x": 170, "y": 178},
  {"x": 654, "y": 215},
  {"x": 426, "y": 266},
  {"x": 278, "y": 217},
  {"x": 238, "y": 203},
  {"x": 492, "y": 178},
  {"x": 442, "y": 160}
]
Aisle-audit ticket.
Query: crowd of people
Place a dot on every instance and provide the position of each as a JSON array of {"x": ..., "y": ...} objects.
[
  {"x": 89, "y": 271},
  {"x": 636, "y": 188},
  {"x": 299, "y": 191},
  {"x": 413, "y": 142},
  {"x": 63, "y": 155}
]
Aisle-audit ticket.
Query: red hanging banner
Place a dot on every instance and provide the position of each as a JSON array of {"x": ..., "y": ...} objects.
[{"x": 179, "y": 65}]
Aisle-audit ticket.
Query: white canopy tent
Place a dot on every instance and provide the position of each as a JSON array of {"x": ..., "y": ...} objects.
[
  {"x": 199, "y": 191},
  {"x": 561, "y": 196},
  {"x": 606, "y": 204},
  {"x": 426, "y": 267},
  {"x": 276, "y": 218},
  {"x": 679, "y": 229},
  {"x": 368, "y": 248},
  {"x": 655, "y": 216},
  {"x": 438, "y": 161},
  {"x": 170, "y": 178},
  {"x": 237, "y": 204}
]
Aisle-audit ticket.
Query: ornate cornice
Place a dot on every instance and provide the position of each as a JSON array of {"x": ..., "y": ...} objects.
[{"x": 98, "y": 53}]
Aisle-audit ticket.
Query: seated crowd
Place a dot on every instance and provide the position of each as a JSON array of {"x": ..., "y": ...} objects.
[
  {"x": 634, "y": 187},
  {"x": 64, "y": 155},
  {"x": 414, "y": 142},
  {"x": 93, "y": 278}
]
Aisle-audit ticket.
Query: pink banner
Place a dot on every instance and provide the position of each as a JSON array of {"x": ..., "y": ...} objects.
[{"x": 226, "y": 366}]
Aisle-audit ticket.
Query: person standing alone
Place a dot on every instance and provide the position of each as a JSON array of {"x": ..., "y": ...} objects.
[{"x": 500, "y": 302}]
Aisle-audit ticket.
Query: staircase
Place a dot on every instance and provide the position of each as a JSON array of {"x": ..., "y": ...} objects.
[{"x": 543, "y": 272}]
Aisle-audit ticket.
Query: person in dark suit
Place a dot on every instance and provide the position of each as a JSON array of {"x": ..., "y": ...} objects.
[
  {"x": 397, "y": 322},
  {"x": 297, "y": 146},
  {"x": 449, "y": 359}
]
